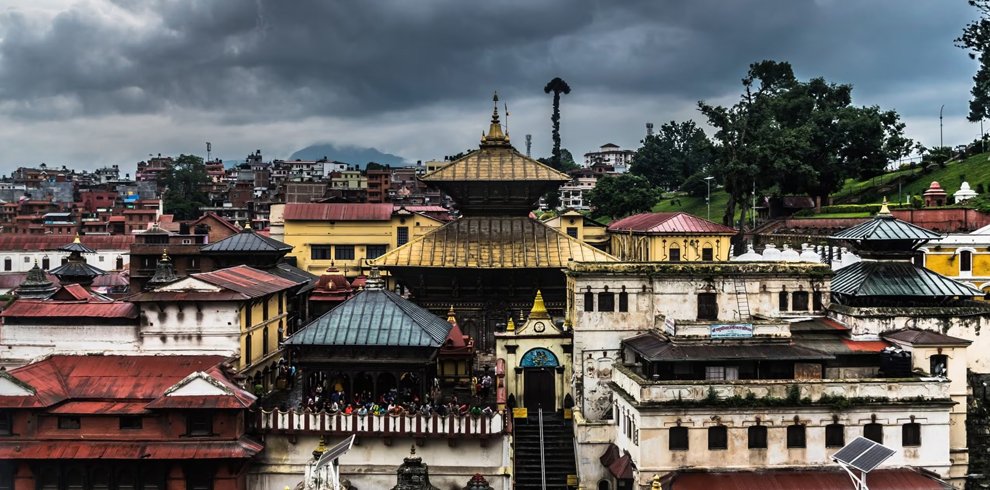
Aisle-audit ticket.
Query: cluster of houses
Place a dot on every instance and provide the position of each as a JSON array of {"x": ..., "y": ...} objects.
[{"x": 505, "y": 351}]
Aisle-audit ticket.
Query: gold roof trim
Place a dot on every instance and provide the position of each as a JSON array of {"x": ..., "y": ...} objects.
[{"x": 493, "y": 242}]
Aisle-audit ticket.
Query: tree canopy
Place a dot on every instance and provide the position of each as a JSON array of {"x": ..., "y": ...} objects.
[
  {"x": 620, "y": 195},
  {"x": 785, "y": 136},
  {"x": 184, "y": 187},
  {"x": 556, "y": 86},
  {"x": 976, "y": 39},
  {"x": 676, "y": 152}
]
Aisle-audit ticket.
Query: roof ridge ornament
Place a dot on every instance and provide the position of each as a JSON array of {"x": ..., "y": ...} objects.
[
  {"x": 884, "y": 209},
  {"x": 539, "y": 310},
  {"x": 375, "y": 281},
  {"x": 495, "y": 136}
]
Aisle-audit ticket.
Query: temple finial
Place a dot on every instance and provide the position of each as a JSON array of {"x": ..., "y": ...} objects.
[
  {"x": 884, "y": 210},
  {"x": 511, "y": 326},
  {"x": 451, "y": 319},
  {"x": 165, "y": 254},
  {"x": 495, "y": 136},
  {"x": 76, "y": 240},
  {"x": 539, "y": 307}
]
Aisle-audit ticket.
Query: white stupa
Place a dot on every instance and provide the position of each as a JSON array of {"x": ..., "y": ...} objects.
[
  {"x": 963, "y": 193},
  {"x": 749, "y": 256},
  {"x": 789, "y": 254}
]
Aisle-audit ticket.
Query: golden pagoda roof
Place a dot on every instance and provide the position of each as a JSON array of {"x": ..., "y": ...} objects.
[
  {"x": 493, "y": 242},
  {"x": 495, "y": 161}
]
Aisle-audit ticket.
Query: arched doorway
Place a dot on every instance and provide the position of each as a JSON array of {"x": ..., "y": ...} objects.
[{"x": 539, "y": 379}]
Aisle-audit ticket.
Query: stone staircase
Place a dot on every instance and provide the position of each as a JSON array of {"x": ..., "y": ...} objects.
[{"x": 558, "y": 443}]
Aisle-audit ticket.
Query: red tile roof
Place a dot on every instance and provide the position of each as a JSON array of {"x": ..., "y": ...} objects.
[
  {"x": 885, "y": 479},
  {"x": 52, "y": 242},
  {"x": 246, "y": 280},
  {"x": 101, "y": 407},
  {"x": 73, "y": 292},
  {"x": 669, "y": 223},
  {"x": 63, "y": 378},
  {"x": 34, "y": 308},
  {"x": 242, "y": 448},
  {"x": 10, "y": 280},
  {"x": 221, "y": 220},
  {"x": 338, "y": 212}
]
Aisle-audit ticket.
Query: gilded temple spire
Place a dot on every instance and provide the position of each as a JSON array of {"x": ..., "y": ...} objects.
[{"x": 495, "y": 136}]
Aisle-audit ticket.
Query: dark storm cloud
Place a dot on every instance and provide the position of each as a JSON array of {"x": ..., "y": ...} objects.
[{"x": 276, "y": 59}]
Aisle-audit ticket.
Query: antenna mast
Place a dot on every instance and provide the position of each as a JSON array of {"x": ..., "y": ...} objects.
[{"x": 529, "y": 143}]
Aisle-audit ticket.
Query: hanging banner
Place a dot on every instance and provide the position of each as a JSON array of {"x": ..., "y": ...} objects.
[{"x": 731, "y": 331}]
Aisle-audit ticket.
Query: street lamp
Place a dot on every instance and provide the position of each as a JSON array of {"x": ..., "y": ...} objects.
[
  {"x": 940, "y": 143},
  {"x": 708, "y": 198}
]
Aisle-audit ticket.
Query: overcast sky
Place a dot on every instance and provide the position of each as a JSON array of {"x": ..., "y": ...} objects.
[{"x": 96, "y": 82}]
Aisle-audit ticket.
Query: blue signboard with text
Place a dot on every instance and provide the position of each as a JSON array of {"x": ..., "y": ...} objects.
[{"x": 731, "y": 331}]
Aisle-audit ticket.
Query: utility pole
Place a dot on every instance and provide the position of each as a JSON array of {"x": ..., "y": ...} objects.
[
  {"x": 708, "y": 198},
  {"x": 941, "y": 144}
]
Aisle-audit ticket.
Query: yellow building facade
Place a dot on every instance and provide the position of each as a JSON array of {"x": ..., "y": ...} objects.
[
  {"x": 963, "y": 257},
  {"x": 669, "y": 237},
  {"x": 576, "y": 225},
  {"x": 262, "y": 330},
  {"x": 345, "y": 235}
]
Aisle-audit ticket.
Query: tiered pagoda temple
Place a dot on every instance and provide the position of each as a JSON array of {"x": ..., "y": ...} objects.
[
  {"x": 75, "y": 270},
  {"x": 889, "y": 275},
  {"x": 489, "y": 263}
]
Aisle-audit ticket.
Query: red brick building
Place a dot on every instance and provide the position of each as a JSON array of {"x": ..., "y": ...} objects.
[{"x": 123, "y": 422}]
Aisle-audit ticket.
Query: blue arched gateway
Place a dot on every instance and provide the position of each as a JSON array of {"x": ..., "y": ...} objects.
[{"x": 539, "y": 368}]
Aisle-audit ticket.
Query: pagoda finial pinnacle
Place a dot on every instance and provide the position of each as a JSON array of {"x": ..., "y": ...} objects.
[
  {"x": 165, "y": 254},
  {"x": 511, "y": 326},
  {"x": 884, "y": 210},
  {"x": 451, "y": 319},
  {"x": 495, "y": 136},
  {"x": 656, "y": 483},
  {"x": 539, "y": 307},
  {"x": 247, "y": 224},
  {"x": 77, "y": 240}
]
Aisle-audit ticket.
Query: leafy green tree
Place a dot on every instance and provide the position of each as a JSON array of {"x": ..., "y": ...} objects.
[
  {"x": 674, "y": 153},
  {"x": 557, "y": 86},
  {"x": 622, "y": 195},
  {"x": 184, "y": 187},
  {"x": 374, "y": 166},
  {"x": 786, "y": 136},
  {"x": 976, "y": 40}
]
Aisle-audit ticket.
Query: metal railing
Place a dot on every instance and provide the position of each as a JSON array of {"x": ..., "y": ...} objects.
[{"x": 543, "y": 462}]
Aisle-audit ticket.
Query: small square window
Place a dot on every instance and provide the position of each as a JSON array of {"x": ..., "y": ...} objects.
[
  {"x": 606, "y": 301},
  {"x": 911, "y": 434},
  {"x": 873, "y": 432},
  {"x": 678, "y": 439},
  {"x": 675, "y": 255},
  {"x": 344, "y": 252},
  {"x": 199, "y": 424},
  {"x": 131, "y": 422},
  {"x": 707, "y": 254},
  {"x": 835, "y": 435},
  {"x": 757, "y": 437},
  {"x": 800, "y": 300},
  {"x": 718, "y": 437},
  {"x": 319, "y": 252},
  {"x": 796, "y": 436},
  {"x": 69, "y": 422},
  {"x": 623, "y": 301}
]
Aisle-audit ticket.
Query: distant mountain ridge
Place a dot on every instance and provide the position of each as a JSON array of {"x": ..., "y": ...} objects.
[{"x": 355, "y": 155}]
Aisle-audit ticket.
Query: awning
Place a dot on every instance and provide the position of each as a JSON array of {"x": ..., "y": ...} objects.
[
  {"x": 239, "y": 449},
  {"x": 610, "y": 455},
  {"x": 842, "y": 346},
  {"x": 622, "y": 468},
  {"x": 656, "y": 349},
  {"x": 887, "y": 479}
]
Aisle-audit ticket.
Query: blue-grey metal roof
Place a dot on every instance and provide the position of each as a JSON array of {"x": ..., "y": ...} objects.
[
  {"x": 295, "y": 274},
  {"x": 885, "y": 278},
  {"x": 76, "y": 247},
  {"x": 77, "y": 269},
  {"x": 375, "y": 317},
  {"x": 247, "y": 241},
  {"x": 886, "y": 227}
]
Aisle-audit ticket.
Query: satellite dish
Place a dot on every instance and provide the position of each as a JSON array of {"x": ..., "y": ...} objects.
[{"x": 864, "y": 455}]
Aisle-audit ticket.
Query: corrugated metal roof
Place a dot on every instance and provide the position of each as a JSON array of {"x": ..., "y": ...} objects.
[
  {"x": 209, "y": 449},
  {"x": 654, "y": 348},
  {"x": 817, "y": 324},
  {"x": 106, "y": 378},
  {"x": 669, "y": 223},
  {"x": 374, "y": 317},
  {"x": 77, "y": 269},
  {"x": 34, "y": 308},
  {"x": 12, "y": 243},
  {"x": 10, "y": 280},
  {"x": 337, "y": 212},
  {"x": 495, "y": 164},
  {"x": 493, "y": 243},
  {"x": 919, "y": 337},
  {"x": 246, "y": 241},
  {"x": 888, "y": 278},
  {"x": 886, "y": 227},
  {"x": 246, "y": 280},
  {"x": 883, "y": 479},
  {"x": 101, "y": 407}
]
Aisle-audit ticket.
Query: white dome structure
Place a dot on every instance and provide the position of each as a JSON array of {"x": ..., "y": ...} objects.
[
  {"x": 964, "y": 193},
  {"x": 771, "y": 253},
  {"x": 789, "y": 254},
  {"x": 749, "y": 256},
  {"x": 808, "y": 254}
]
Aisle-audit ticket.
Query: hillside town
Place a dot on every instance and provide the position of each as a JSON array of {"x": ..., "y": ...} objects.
[
  {"x": 691, "y": 265},
  {"x": 465, "y": 340}
]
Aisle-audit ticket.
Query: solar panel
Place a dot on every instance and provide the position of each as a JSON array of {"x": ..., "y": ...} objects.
[
  {"x": 863, "y": 454},
  {"x": 335, "y": 451}
]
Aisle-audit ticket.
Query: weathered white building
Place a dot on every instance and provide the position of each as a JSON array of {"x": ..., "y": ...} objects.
[
  {"x": 18, "y": 253},
  {"x": 610, "y": 154},
  {"x": 732, "y": 366}
]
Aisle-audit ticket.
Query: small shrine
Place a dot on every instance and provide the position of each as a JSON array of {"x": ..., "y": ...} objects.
[
  {"x": 75, "y": 270},
  {"x": 964, "y": 193},
  {"x": 478, "y": 482},
  {"x": 456, "y": 355},
  {"x": 935, "y": 195},
  {"x": 537, "y": 360},
  {"x": 888, "y": 274},
  {"x": 164, "y": 273},
  {"x": 36, "y": 285},
  {"x": 413, "y": 474}
]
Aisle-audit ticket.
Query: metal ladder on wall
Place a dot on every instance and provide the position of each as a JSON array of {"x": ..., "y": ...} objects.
[{"x": 742, "y": 299}]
